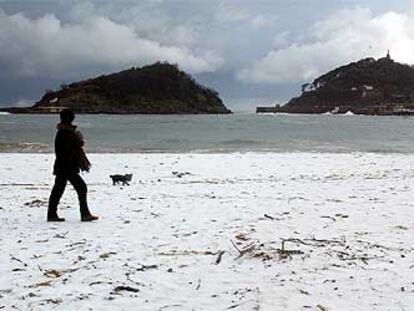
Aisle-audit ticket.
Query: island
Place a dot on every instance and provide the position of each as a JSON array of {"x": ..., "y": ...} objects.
[
  {"x": 160, "y": 88},
  {"x": 369, "y": 86}
]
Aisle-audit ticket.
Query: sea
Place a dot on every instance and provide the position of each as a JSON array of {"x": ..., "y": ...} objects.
[{"x": 239, "y": 132}]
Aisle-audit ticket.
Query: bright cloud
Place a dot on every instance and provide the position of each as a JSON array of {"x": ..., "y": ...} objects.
[
  {"x": 46, "y": 45},
  {"x": 343, "y": 37}
]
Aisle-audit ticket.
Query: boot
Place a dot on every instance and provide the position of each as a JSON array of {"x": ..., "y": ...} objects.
[
  {"x": 89, "y": 217},
  {"x": 55, "y": 218}
]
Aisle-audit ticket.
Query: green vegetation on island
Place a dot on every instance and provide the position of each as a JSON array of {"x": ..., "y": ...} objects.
[
  {"x": 369, "y": 86},
  {"x": 160, "y": 88}
]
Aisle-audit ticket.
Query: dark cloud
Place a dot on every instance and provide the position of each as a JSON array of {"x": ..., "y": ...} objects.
[{"x": 250, "y": 51}]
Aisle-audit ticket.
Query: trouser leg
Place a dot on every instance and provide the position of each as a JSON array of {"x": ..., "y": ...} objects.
[
  {"x": 55, "y": 195},
  {"x": 82, "y": 190}
]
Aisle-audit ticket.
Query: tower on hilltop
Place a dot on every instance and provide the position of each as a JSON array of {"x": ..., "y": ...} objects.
[{"x": 388, "y": 55}]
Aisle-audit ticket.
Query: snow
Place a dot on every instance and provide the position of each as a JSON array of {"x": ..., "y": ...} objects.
[{"x": 166, "y": 241}]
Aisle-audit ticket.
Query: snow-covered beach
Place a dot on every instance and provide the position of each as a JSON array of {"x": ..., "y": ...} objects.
[{"x": 206, "y": 232}]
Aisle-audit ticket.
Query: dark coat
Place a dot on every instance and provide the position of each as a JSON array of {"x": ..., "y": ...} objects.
[{"x": 68, "y": 150}]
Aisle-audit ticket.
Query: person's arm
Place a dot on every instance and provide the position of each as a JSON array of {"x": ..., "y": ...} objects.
[{"x": 84, "y": 163}]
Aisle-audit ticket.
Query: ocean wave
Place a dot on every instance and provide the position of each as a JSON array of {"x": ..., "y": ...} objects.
[
  {"x": 244, "y": 142},
  {"x": 23, "y": 147}
]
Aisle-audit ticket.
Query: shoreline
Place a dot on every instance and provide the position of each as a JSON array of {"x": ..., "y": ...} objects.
[{"x": 218, "y": 153}]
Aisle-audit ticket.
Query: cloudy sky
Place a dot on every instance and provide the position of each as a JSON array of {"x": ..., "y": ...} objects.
[{"x": 251, "y": 51}]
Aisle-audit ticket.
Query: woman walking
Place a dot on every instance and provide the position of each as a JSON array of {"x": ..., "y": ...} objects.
[{"x": 70, "y": 160}]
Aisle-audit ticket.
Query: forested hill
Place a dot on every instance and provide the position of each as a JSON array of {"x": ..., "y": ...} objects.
[
  {"x": 160, "y": 88},
  {"x": 369, "y": 86}
]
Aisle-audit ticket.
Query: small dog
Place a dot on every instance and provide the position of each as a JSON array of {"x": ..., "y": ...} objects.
[{"x": 124, "y": 179}]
